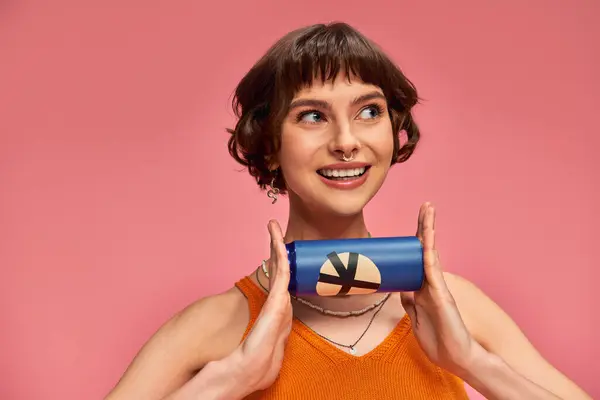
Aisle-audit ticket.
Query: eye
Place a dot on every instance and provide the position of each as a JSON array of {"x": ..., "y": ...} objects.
[
  {"x": 370, "y": 112},
  {"x": 310, "y": 117}
]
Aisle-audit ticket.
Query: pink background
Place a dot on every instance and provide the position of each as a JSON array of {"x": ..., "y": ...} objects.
[{"x": 112, "y": 156}]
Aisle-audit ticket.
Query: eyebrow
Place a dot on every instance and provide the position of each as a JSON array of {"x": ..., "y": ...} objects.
[{"x": 327, "y": 106}]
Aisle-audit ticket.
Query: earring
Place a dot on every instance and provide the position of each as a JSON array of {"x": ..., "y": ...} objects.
[{"x": 273, "y": 192}]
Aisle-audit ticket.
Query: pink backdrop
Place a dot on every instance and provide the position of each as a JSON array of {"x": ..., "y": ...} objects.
[{"x": 112, "y": 156}]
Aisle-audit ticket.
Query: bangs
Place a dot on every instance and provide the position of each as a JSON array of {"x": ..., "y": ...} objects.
[{"x": 325, "y": 52}]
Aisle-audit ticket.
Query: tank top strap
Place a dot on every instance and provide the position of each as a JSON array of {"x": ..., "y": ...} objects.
[{"x": 256, "y": 299}]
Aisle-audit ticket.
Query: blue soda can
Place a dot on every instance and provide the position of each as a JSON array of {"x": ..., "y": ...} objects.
[{"x": 355, "y": 266}]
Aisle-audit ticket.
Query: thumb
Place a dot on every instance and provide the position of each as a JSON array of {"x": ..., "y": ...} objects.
[{"x": 408, "y": 302}]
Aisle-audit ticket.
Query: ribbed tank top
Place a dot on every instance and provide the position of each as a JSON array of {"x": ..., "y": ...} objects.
[{"x": 313, "y": 369}]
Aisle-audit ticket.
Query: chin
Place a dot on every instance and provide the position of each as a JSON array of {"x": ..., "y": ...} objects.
[
  {"x": 345, "y": 209},
  {"x": 346, "y": 212},
  {"x": 344, "y": 203}
]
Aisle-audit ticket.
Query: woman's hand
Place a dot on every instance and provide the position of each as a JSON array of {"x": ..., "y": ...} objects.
[
  {"x": 258, "y": 359},
  {"x": 255, "y": 364},
  {"x": 435, "y": 318}
]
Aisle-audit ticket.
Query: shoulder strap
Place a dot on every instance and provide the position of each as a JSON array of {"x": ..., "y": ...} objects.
[{"x": 256, "y": 299}]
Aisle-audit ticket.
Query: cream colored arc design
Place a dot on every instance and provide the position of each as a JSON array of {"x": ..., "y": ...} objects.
[{"x": 363, "y": 277}]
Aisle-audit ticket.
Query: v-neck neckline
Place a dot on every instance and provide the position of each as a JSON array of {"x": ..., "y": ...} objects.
[{"x": 333, "y": 352}]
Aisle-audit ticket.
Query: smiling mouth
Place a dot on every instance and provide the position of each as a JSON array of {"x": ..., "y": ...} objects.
[{"x": 343, "y": 174}]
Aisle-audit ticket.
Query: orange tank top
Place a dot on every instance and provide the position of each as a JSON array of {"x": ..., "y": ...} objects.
[{"x": 313, "y": 369}]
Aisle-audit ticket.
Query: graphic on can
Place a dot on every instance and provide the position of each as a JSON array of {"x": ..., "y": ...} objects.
[{"x": 348, "y": 273}]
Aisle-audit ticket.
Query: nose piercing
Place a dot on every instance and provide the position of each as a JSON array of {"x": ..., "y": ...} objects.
[{"x": 348, "y": 159}]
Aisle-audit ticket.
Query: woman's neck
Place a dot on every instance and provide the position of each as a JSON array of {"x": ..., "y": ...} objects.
[{"x": 311, "y": 225}]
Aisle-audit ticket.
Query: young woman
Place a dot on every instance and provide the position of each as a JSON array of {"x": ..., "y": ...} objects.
[{"x": 322, "y": 118}]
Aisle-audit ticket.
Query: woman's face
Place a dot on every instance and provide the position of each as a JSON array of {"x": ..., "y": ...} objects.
[{"x": 325, "y": 122}]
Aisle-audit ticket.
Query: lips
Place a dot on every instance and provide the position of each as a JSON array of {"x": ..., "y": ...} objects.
[{"x": 344, "y": 175}]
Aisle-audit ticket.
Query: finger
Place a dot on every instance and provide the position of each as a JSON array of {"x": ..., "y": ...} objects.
[
  {"x": 408, "y": 302},
  {"x": 422, "y": 212},
  {"x": 279, "y": 260},
  {"x": 431, "y": 260},
  {"x": 272, "y": 261},
  {"x": 276, "y": 313},
  {"x": 428, "y": 229}
]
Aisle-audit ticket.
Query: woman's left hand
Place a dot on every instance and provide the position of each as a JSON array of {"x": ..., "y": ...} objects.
[{"x": 434, "y": 316}]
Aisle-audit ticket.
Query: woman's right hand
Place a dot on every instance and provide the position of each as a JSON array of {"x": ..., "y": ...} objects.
[
  {"x": 255, "y": 364},
  {"x": 258, "y": 359}
]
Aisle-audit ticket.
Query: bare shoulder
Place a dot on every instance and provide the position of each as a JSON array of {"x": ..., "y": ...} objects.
[
  {"x": 461, "y": 287},
  {"x": 477, "y": 310},
  {"x": 483, "y": 317},
  {"x": 211, "y": 327},
  {"x": 496, "y": 331},
  {"x": 208, "y": 329}
]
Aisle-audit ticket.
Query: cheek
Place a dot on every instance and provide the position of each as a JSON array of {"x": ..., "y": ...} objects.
[
  {"x": 297, "y": 148},
  {"x": 383, "y": 143},
  {"x": 296, "y": 154}
]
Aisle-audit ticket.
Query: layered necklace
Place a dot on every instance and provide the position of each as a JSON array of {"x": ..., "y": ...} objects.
[{"x": 341, "y": 314}]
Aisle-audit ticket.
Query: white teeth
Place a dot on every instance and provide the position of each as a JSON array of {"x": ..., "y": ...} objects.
[{"x": 341, "y": 173}]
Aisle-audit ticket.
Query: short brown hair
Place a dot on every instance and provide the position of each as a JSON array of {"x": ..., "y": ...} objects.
[{"x": 263, "y": 96}]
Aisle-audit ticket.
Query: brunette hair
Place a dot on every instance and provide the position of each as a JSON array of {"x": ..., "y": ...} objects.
[{"x": 321, "y": 51}]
